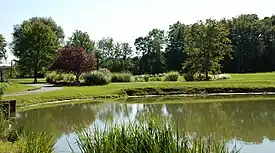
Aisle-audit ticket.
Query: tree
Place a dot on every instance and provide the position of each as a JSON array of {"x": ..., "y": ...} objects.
[
  {"x": 75, "y": 60},
  {"x": 35, "y": 45},
  {"x": 82, "y": 39},
  {"x": 150, "y": 47},
  {"x": 207, "y": 44},
  {"x": 3, "y": 50},
  {"x": 52, "y": 24},
  {"x": 174, "y": 51},
  {"x": 105, "y": 50}
]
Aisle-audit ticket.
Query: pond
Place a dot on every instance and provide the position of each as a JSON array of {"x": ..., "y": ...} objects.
[{"x": 249, "y": 125}]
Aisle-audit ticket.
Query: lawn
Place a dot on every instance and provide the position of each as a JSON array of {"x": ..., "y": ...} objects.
[{"x": 257, "y": 80}]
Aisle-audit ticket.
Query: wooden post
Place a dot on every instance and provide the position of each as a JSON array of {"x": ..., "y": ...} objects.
[
  {"x": 12, "y": 108},
  {"x": 2, "y": 75}
]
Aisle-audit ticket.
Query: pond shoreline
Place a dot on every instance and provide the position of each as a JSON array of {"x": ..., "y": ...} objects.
[{"x": 213, "y": 96}]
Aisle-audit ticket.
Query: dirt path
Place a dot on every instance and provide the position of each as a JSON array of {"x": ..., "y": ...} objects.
[{"x": 44, "y": 88}]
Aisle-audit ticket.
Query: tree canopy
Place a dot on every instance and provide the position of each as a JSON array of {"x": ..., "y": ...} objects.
[
  {"x": 207, "y": 43},
  {"x": 82, "y": 39},
  {"x": 35, "y": 45},
  {"x": 75, "y": 60}
]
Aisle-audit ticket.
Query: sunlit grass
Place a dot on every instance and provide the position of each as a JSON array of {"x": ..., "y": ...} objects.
[
  {"x": 150, "y": 137},
  {"x": 257, "y": 80}
]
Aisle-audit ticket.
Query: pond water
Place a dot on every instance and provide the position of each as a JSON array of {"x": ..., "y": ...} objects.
[{"x": 248, "y": 124}]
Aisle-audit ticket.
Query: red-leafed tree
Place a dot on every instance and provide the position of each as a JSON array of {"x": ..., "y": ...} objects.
[{"x": 75, "y": 60}]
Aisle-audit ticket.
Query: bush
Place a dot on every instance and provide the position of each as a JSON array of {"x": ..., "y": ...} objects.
[
  {"x": 96, "y": 78},
  {"x": 172, "y": 76},
  {"x": 189, "y": 77},
  {"x": 139, "y": 78},
  {"x": 51, "y": 77},
  {"x": 146, "y": 77},
  {"x": 122, "y": 77},
  {"x": 55, "y": 77},
  {"x": 155, "y": 78},
  {"x": 222, "y": 76}
]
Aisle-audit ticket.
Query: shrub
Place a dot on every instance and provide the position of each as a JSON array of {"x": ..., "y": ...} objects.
[
  {"x": 96, "y": 78},
  {"x": 122, "y": 77},
  {"x": 55, "y": 77},
  {"x": 172, "y": 76},
  {"x": 189, "y": 77},
  {"x": 69, "y": 78},
  {"x": 51, "y": 77},
  {"x": 222, "y": 76},
  {"x": 146, "y": 77},
  {"x": 139, "y": 78},
  {"x": 155, "y": 78}
]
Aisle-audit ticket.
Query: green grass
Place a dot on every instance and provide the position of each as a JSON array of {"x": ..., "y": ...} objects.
[
  {"x": 249, "y": 81},
  {"x": 147, "y": 136},
  {"x": 29, "y": 80},
  {"x": 17, "y": 87}
]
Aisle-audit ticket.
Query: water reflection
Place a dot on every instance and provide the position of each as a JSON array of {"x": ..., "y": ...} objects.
[{"x": 248, "y": 121}]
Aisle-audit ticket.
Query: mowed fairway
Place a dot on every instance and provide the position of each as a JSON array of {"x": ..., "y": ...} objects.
[{"x": 255, "y": 80}]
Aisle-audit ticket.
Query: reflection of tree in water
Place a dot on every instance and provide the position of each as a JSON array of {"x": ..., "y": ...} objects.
[
  {"x": 112, "y": 112},
  {"x": 58, "y": 120},
  {"x": 246, "y": 121},
  {"x": 249, "y": 121}
]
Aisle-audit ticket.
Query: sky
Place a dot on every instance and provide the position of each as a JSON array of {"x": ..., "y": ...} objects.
[{"x": 123, "y": 20}]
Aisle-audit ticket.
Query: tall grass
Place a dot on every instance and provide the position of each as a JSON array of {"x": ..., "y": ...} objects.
[
  {"x": 146, "y": 138},
  {"x": 37, "y": 143},
  {"x": 122, "y": 77},
  {"x": 172, "y": 76}
]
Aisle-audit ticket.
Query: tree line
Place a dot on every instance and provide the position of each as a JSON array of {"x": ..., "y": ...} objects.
[{"x": 238, "y": 45}]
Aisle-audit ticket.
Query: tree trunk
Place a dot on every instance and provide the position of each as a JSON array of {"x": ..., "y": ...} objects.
[
  {"x": 35, "y": 75},
  {"x": 77, "y": 78},
  {"x": 2, "y": 80}
]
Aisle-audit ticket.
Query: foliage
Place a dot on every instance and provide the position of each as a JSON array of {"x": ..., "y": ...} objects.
[
  {"x": 189, "y": 77},
  {"x": 97, "y": 78},
  {"x": 122, "y": 77},
  {"x": 55, "y": 77},
  {"x": 174, "y": 52},
  {"x": 82, "y": 39},
  {"x": 37, "y": 143},
  {"x": 155, "y": 78},
  {"x": 207, "y": 43},
  {"x": 222, "y": 76},
  {"x": 34, "y": 44},
  {"x": 113, "y": 55},
  {"x": 3, "y": 45},
  {"x": 172, "y": 76},
  {"x": 153, "y": 137},
  {"x": 75, "y": 60},
  {"x": 146, "y": 77},
  {"x": 150, "y": 47}
]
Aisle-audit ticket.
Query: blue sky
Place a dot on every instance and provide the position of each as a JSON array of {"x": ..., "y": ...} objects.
[{"x": 124, "y": 20}]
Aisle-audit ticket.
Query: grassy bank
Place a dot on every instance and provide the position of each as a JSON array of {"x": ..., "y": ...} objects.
[{"x": 257, "y": 82}]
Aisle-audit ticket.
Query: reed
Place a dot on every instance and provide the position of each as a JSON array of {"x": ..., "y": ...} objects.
[{"x": 151, "y": 137}]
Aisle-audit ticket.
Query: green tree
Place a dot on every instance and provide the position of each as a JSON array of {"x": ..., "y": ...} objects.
[
  {"x": 174, "y": 51},
  {"x": 151, "y": 50},
  {"x": 35, "y": 45},
  {"x": 207, "y": 43},
  {"x": 105, "y": 48},
  {"x": 82, "y": 39},
  {"x": 3, "y": 50},
  {"x": 52, "y": 24}
]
